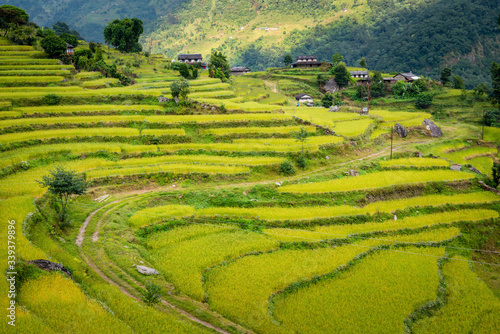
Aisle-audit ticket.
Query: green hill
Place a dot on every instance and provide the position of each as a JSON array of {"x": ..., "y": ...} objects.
[{"x": 418, "y": 35}]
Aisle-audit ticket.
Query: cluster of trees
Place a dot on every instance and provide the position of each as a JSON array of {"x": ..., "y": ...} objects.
[
  {"x": 124, "y": 34},
  {"x": 185, "y": 70},
  {"x": 218, "y": 66}
]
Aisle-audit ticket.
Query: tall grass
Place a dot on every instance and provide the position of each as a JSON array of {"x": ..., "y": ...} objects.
[
  {"x": 415, "y": 162},
  {"x": 88, "y": 108},
  {"x": 470, "y": 307},
  {"x": 256, "y": 129},
  {"x": 183, "y": 263},
  {"x": 151, "y": 215},
  {"x": 377, "y": 180},
  {"x": 358, "y": 299}
]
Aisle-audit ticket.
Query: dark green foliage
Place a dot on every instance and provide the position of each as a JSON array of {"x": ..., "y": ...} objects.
[
  {"x": 496, "y": 173},
  {"x": 377, "y": 85},
  {"x": 184, "y": 70},
  {"x": 12, "y": 16},
  {"x": 481, "y": 90},
  {"x": 23, "y": 35},
  {"x": 286, "y": 168},
  {"x": 124, "y": 34},
  {"x": 152, "y": 294},
  {"x": 54, "y": 46},
  {"x": 445, "y": 75},
  {"x": 405, "y": 90},
  {"x": 458, "y": 82},
  {"x": 70, "y": 39},
  {"x": 301, "y": 161},
  {"x": 327, "y": 100},
  {"x": 180, "y": 88},
  {"x": 51, "y": 99},
  {"x": 63, "y": 183},
  {"x": 421, "y": 84},
  {"x": 337, "y": 58},
  {"x": 62, "y": 28},
  {"x": 492, "y": 118},
  {"x": 218, "y": 66},
  {"x": 341, "y": 74},
  {"x": 288, "y": 60},
  {"x": 362, "y": 62},
  {"x": 424, "y": 100},
  {"x": 93, "y": 46},
  {"x": 322, "y": 79},
  {"x": 495, "y": 83}
]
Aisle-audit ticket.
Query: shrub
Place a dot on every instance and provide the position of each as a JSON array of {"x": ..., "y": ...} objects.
[
  {"x": 424, "y": 100},
  {"x": 301, "y": 161},
  {"x": 152, "y": 294},
  {"x": 51, "y": 99},
  {"x": 327, "y": 100},
  {"x": 286, "y": 168},
  {"x": 54, "y": 46}
]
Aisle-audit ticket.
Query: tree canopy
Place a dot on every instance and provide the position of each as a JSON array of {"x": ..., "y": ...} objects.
[
  {"x": 337, "y": 58},
  {"x": 180, "y": 88},
  {"x": 54, "y": 46},
  {"x": 288, "y": 60},
  {"x": 70, "y": 39},
  {"x": 12, "y": 16},
  {"x": 62, "y": 28},
  {"x": 124, "y": 34},
  {"x": 341, "y": 74},
  {"x": 219, "y": 66}
]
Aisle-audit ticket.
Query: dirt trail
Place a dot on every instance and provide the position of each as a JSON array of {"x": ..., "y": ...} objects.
[
  {"x": 94, "y": 267},
  {"x": 81, "y": 233}
]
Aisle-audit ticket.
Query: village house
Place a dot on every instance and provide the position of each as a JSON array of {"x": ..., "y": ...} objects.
[
  {"x": 305, "y": 62},
  {"x": 190, "y": 58},
  {"x": 304, "y": 98},
  {"x": 364, "y": 81},
  {"x": 69, "y": 49},
  {"x": 359, "y": 74},
  {"x": 390, "y": 81},
  {"x": 239, "y": 70},
  {"x": 407, "y": 77}
]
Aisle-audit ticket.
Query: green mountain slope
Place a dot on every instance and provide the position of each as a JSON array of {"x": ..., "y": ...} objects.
[{"x": 419, "y": 35}]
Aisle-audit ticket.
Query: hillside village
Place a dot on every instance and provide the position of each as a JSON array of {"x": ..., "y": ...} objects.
[{"x": 148, "y": 194}]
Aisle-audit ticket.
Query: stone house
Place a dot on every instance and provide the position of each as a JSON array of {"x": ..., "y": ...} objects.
[{"x": 306, "y": 62}]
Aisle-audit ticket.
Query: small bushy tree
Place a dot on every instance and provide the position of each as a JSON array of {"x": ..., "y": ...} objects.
[
  {"x": 63, "y": 184},
  {"x": 124, "y": 34},
  {"x": 336, "y": 58},
  {"x": 341, "y": 74},
  {"x": 152, "y": 294},
  {"x": 327, "y": 100},
  {"x": 362, "y": 62},
  {"x": 424, "y": 100},
  {"x": 288, "y": 60},
  {"x": 54, "y": 46},
  {"x": 180, "y": 88},
  {"x": 70, "y": 39},
  {"x": 286, "y": 168},
  {"x": 445, "y": 75},
  {"x": 301, "y": 136},
  {"x": 458, "y": 82},
  {"x": 51, "y": 99}
]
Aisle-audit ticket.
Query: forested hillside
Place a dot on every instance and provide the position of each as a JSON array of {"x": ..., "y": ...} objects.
[{"x": 418, "y": 35}]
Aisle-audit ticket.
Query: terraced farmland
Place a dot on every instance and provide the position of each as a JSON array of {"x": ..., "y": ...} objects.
[{"x": 251, "y": 209}]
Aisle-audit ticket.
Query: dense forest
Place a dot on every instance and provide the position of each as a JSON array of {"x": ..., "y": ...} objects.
[
  {"x": 423, "y": 36},
  {"x": 461, "y": 34}
]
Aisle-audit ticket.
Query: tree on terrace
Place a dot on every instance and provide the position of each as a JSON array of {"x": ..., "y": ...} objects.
[{"x": 124, "y": 34}]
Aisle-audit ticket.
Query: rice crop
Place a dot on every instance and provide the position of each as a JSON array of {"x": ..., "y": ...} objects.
[
  {"x": 241, "y": 289},
  {"x": 431, "y": 200},
  {"x": 311, "y": 142},
  {"x": 377, "y": 180},
  {"x": 232, "y": 105},
  {"x": 88, "y": 108},
  {"x": 65, "y": 308},
  {"x": 343, "y": 231},
  {"x": 33, "y": 72},
  {"x": 27, "y": 61},
  {"x": 492, "y": 134},
  {"x": 483, "y": 164},
  {"x": 256, "y": 129},
  {"x": 183, "y": 263},
  {"x": 470, "y": 306},
  {"x": 183, "y": 233},
  {"x": 88, "y": 75},
  {"x": 377, "y": 133},
  {"x": 35, "y": 67},
  {"x": 152, "y": 215},
  {"x": 443, "y": 147},
  {"x": 16, "y": 48},
  {"x": 100, "y": 83},
  {"x": 351, "y": 128},
  {"x": 33, "y": 79},
  {"x": 140, "y": 118},
  {"x": 212, "y": 94},
  {"x": 469, "y": 153},
  {"x": 68, "y": 133},
  {"x": 415, "y": 162},
  {"x": 275, "y": 213},
  {"x": 394, "y": 283},
  {"x": 320, "y": 116},
  {"x": 390, "y": 116}
]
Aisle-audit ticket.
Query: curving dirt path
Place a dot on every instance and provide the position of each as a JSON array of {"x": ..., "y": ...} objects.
[{"x": 81, "y": 233}]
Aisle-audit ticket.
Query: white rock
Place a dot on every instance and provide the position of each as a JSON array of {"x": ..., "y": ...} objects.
[{"x": 146, "y": 270}]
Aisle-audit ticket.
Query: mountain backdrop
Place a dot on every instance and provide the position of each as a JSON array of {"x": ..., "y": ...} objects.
[{"x": 423, "y": 36}]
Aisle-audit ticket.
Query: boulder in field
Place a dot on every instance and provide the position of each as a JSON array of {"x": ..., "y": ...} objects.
[
  {"x": 456, "y": 167},
  {"x": 146, "y": 270},
  {"x": 400, "y": 130},
  {"x": 434, "y": 130},
  {"x": 50, "y": 266}
]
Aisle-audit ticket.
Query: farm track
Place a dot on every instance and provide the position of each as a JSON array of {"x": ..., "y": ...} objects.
[{"x": 126, "y": 288}]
